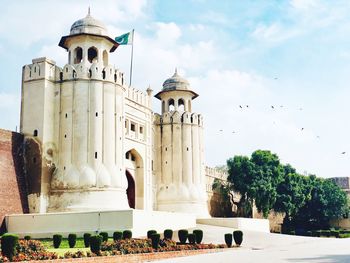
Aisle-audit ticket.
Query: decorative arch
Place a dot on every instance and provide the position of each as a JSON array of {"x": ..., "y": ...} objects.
[
  {"x": 181, "y": 105},
  {"x": 135, "y": 168},
  {"x": 92, "y": 54},
  {"x": 171, "y": 105},
  {"x": 78, "y": 55}
]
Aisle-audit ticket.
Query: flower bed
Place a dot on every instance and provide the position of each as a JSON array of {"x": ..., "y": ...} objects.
[
  {"x": 30, "y": 250},
  {"x": 34, "y": 250}
]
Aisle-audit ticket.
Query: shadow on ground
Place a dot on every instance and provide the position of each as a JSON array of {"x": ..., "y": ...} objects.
[{"x": 325, "y": 258}]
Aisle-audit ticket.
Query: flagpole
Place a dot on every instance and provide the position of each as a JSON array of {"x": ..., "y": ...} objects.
[{"x": 132, "y": 56}]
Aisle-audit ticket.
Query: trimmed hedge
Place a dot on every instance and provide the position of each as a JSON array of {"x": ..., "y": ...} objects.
[
  {"x": 183, "y": 234},
  {"x": 117, "y": 235},
  {"x": 155, "y": 240},
  {"x": 57, "y": 239},
  {"x": 228, "y": 239},
  {"x": 127, "y": 234},
  {"x": 238, "y": 237},
  {"x": 8, "y": 245},
  {"x": 104, "y": 236},
  {"x": 199, "y": 235},
  {"x": 150, "y": 233},
  {"x": 95, "y": 243},
  {"x": 192, "y": 238},
  {"x": 168, "y": 234},
  {"x": 86, "y": 237},
  {"x": 27, "y": 238},
  {"x": 72, "y": 240}
]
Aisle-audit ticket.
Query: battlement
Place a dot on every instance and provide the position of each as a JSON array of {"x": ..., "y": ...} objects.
[
  {"x": 45, "y": 68},
  {"x": 186, "y": 117},
  {"x": 215, "y": 173},
  {"x": 137, "y": 96}
]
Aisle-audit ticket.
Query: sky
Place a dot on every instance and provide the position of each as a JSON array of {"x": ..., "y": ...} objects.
[{"x": 289, "y": 61}]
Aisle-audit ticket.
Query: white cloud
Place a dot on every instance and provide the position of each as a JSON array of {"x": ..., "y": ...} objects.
[
  {"x": 274, "y": 32},
  {"x": 167, "y": 33},
  {"x": 304, "y": 4}
]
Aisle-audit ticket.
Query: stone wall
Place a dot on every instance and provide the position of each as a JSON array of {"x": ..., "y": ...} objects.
[{"x": 13, "y": 194}]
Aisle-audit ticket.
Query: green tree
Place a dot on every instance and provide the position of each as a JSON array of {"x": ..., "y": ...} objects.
[
  {"x": 256, "y": 179},
  {"x": 292, "y": 193},
  {"x": 328, "y": 201}
]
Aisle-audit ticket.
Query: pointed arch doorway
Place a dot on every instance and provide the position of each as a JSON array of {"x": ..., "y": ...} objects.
[
  {"x": 134, "y": 174},
  {"x": 130, "y": 191}
]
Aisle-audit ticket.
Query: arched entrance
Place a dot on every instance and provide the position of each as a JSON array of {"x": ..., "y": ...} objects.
[
  {"x": 130, "y": 191},
  {"x": 134, "y": 175}
]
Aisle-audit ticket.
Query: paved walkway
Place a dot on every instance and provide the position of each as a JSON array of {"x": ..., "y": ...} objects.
[{"x": 265, "y": 247}]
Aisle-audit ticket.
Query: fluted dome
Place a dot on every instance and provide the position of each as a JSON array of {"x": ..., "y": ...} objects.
[
  {"x": 176, "y": 82},
  {"x": 88, "y": 25}
]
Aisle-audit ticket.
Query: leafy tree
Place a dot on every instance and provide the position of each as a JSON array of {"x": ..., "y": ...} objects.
[
  {"x": 292, "y": 194},
  {"x": 328, "y": 201},
  {"x": 256, "y": 179}
]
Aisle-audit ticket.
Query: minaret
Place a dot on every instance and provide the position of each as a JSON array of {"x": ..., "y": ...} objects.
[
  {"x": 180, "y": 168},
  {"x": 83, "y": 122}
]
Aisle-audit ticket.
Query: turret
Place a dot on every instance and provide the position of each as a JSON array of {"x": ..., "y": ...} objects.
[{"x": 180, "y": 160}]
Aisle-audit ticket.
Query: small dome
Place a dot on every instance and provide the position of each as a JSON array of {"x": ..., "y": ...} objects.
[
  {"x": 176, "y": 82},
  {"x": 88, "y": 25}
]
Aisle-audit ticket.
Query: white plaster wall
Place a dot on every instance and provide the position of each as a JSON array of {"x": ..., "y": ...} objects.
[
  {"x": 139, "y": 221},
  {"x": 251, "y": 224}
]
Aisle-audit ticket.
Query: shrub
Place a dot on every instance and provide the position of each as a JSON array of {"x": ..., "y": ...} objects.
[
  {"x": 27, "y": 238},
  {"x": 150, "y": 233},
  {"x": 155, "y": 240},
  {"x": 72, "y": 239},
  {"x": 117, "y": 235},
  {"x": 57, "y": 239},
  {"x": 199, "y": 235},
  {"x": 309, "y": 233},
  {"x": 183, "y": 234},
  {"x": 326, "y": 233},
  {"x": 104, "y": 236},
  {"x": 345, "y": 235},
  {"x": 8, "y": 245},
  {"x": 238, "y": 237},
  {"x": 228, "y": 239},
  {"x": 335, "y": 233},
  {"x": 292, "y": 232},
  {"x": 95, "y": 243},
  {"x": 168, "y": 234},
  {"x": 86, "y": 237},
  {"x": 318, "y": 233},
  {"x": 191, "y": 238},
  {"x": 127, "y": 234}
]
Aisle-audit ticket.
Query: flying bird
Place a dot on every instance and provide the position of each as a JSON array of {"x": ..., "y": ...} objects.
[
  {"x": 343, "y": 153},
  {"x": 247, "y": 106},
  {"x": 240, "y": 106},
  {"x": 302, "y": 129},
  {"x": 276, "y": 78},
  {"x": 300, "y": 108},
  {"x": 221, "y": 130},
  {"x": 272, "y": 107}
]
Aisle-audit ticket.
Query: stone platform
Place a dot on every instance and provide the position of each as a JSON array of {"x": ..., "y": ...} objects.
[
  {"x": 139, "y": 221},
  {"x": 241, "y": 223}
]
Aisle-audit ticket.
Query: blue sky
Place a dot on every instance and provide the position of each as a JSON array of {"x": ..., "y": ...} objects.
[{"x": 293, "y": 54}]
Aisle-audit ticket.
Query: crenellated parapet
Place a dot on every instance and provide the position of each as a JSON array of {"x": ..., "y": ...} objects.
[
  {"x": 179, "y": 117},
  {"x": 43, "y": 68},
  {"x": 138, "y": 96}
]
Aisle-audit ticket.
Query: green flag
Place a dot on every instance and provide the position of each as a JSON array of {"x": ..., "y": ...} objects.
[{"x": 125, "y": 39}]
